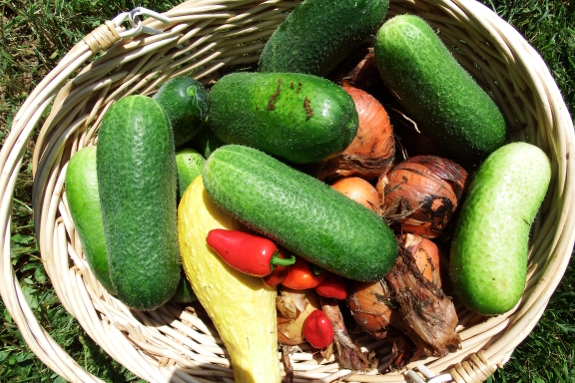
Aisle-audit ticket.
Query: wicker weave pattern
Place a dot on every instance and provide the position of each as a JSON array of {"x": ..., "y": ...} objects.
[{"x": 204, "y": 36}]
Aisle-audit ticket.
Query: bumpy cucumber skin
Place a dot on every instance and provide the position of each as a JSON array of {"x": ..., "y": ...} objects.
[
  {"x": 137, "y": 181},
  {"x": 297, "y": 117},
  {"x": 319, "y": 34},
  {"x": 186, "y": 103},
  {"x": 189, "y": 164},
  {"x": 488, "y": 262},
  {"x": 301, "y": 213},
  {"x": 84, "y": 204},
  {"x": 435, "y": 90}
]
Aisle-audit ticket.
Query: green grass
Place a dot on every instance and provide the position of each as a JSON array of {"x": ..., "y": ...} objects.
[{"x": 35, "y": 35}]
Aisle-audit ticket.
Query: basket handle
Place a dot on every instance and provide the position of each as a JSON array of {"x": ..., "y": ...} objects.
[
  {"x": 475, "y": 370},
  {"x": 11, "y": 155},
  {"x": 109, "y": 33}
]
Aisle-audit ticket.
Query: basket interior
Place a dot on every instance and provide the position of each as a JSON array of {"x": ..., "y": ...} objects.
[{"x": 207, "y": 39}]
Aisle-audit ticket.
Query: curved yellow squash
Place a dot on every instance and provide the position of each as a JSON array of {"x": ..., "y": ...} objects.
[{"x": 242, "y": 307}]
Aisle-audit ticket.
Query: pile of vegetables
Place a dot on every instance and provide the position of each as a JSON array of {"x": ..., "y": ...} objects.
[{"x": 302, "y": 215}]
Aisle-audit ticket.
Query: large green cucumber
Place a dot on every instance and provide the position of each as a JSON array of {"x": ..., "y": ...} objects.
[
  {"x": 185, "y": 102},
  {"x": 84, "y": 204},
  {"x": 301, "y": 213},
  {"x": 435, "y": 90},
  {"x": 137, "y": 182},
  {"x": 488, "y": 262},
  {"x": 319, "y": 34},
  {"x": 297, "y": 117}
]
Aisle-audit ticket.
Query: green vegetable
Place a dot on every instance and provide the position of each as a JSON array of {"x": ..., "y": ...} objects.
[
  {"x": 297, "y": 117},
  {"x": 488, "y": 263},
  {"x": 84, "y": 204},
  {"x": 137, "y": 183},
  {"x": 206, "y": 141},
  {"x": 301, "y": 213},
  {"x": 435, "y": 90},
  {"x": 185, "y": 102},
  {"x": 184, "y": 292},
  {"x": 319, "y": 34},
  {"x": 189, "y": 164}
]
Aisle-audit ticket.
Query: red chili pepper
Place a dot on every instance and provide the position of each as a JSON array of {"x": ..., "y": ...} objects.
[
  {"x": 249, "y": 253},
  {"x": 317, "y": 329},
  {"x": 303, "y": 275},
  {"x": 279, "y": 273},
  {"x": 332, "y": 287}
]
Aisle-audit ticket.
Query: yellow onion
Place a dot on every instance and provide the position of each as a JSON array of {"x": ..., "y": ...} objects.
[
  {"x": 426, "y": 255},
  {"x": 371, "y": 152},
  {"x": 359, "y": 190},
  {"x": 372, "y": 308},
  {"x": 422, "y": 193}
]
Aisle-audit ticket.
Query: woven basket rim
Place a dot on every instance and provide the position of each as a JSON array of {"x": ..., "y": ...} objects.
[{"x": 506, "y": 56}]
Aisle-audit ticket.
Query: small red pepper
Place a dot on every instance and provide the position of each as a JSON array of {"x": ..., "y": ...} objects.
[
  {"x": 249, "y": 253},
  {"x": 303, "y": 275},
  {"x": 279, "y": 273},
  {"x": 317, "y": 329},
  {"x": 332, "y": 287}
]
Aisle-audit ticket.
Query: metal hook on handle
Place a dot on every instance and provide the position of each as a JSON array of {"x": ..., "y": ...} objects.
[{"x": 136, "y": 23}]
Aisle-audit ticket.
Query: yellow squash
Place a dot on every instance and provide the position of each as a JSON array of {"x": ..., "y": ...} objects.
[{"x": 242, "y": 307}]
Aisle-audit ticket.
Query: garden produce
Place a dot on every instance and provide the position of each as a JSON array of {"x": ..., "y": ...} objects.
[
  {"x": 360, "y": 69},
  {"x": 303, "y": 275},
  {"x": 429, "y": 315},
  {"x": 349, "y": 354},
  {"x": 422, "y": 193},
  {"x": 332, "y": 287},
  {"x": 435, "y": 90},
  {"x": 297, "y": 117},
  {"x": 248, "y": 253},
  {"x": 189, "y": 164},
  {"x": 488, "y": 263},
  {"x": 317, "y": 329},
  {"x": 242, "y": 307},
  {"x": 359, "y": 190},
  {"x": 372, "y": 151},
  {"x": 185, "y": 102},
  {"x": 184, "y": 292},
  {"x": 293, "y": 309},
  {"x": 279, "y": 272},
  {"x": 300, "y": 213},
  {"x": 426, "y": 256},
  {"x": 318, "y": 34},
  {"x": 371, "y": 307},
  {"x": 84, "y": 203},
  {"x": 206, "y": 141},
  {"x": 137, "y": 181}
]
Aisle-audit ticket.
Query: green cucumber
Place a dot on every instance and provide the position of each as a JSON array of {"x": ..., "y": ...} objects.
[
  {"x": 206, "y": 142},
  {"x": 189, "y": 164},
  {"x": 137, "y": 181},
  {"x": 297, "y": 117},
  {"x": 488, "y": 262},
  {"x": 300, "y": 212},
  {"x": 184, "y": 292},
  {"x": 319, "y": 34},
  {"x": 84, "y": 204},
  {"x": 185, "y": 102},
  {"x": 444, "y": 100}
]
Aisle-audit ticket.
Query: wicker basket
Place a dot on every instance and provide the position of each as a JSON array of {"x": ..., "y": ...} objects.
[{"x": 201, "y": 38}]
